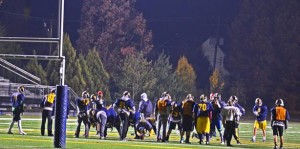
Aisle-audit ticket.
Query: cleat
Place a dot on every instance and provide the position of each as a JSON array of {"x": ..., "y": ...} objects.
[
  {"x": 264, "y": 140},
  {"x": 50, "y": 135},
  {"x": 9, "y": 132},
  {"x": 238, "y": 142},
  {"x": 181, "y": 140},
  {"x": 222, "y": 143},
  {"x": 207, "y": 142},
  {"x": 253, "y": 140},
  {"x": 188, "y": 142},
  {"x": 275, "y": 147},
  {"x": 22, "y": 133},
  {"x": 229, "y": 145}
]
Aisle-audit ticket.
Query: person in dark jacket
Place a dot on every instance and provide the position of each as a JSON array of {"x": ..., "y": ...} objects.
[
  {"x": 47, "y": 104},
  {"x": 145, "y": 106}
]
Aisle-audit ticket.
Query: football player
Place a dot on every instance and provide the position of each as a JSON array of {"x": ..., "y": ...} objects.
[
  {"x": 279, "y": 121},
  {"x": 125, "y": 109},
  {"x": 161, "y": 115},
  {"x": 187, "y": 123},
  {"x": 203, "y": 116},
  {"x": 216, "y": 121},
  {"x": 174, "y": 118},
  {"x": 48, "y": 103},
  {"x": 260, "y": 110},
  {"x": 83, "y": 105},
  {"x": 17, "y": 101}
]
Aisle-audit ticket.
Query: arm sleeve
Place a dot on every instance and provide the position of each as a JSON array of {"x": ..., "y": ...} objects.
[
  {"x": 140, "y": 106},
  {"x": 42, "y": 104}
]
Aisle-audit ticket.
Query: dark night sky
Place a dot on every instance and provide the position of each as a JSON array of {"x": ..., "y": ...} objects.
[{"x": 179, "y": 26}]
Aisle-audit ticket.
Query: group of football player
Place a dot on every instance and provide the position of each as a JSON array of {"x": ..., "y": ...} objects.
[{"x": 206, "y": 115}]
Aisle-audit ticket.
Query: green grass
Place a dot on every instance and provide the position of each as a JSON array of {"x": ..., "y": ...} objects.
[{"x": 33, "y": 139}]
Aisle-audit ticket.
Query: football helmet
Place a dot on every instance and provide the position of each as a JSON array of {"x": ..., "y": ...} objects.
[
  {"x": 258, "y": 101},
  {"x": 85, "y": 94},
  {"x": 126, "y": 93},
  {"x": 279, "y": 102},
  {"x": 21, "y": 89},
  {"x": 100, "y": 93},
  {"x": 52, "y": 90},
  {"x": 203, "y": 98},
  {"x": 233, "y": 98}
]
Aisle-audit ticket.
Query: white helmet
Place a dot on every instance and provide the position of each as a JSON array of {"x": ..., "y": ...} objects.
[
  {"x": 21, "y": 89},
  {"x": 189, "y": 96},
  {"x": 85, "y": 94},
  {"x": 279, "y": 102},
  {"x": 203, "y": 98},
  {"x": 233, "y": 98},
  {"x": 126, "y": 93},
  {"x": 258, "y": 101}
]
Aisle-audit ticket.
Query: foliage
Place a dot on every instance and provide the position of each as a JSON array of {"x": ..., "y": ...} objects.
[
  {"x": 115, "y": 29},
  {"x": 73, "y": 72},
  {"x": 216, "y": 82},
  {"x": 265, "y": 53},
  {"x": 52, "y": 71},
  {"x": 37, "y": 69},
  {"x": 186, "y": 77},
  {"x": 99, "y": 76},
  {"x": 137, "y": 75},
  {"x": 166, "y": 78}
]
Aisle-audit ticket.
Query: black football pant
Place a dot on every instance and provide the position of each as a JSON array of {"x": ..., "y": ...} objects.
[
  {"x": 124, "y": 125},
  {"x": 46, "y": 115},
  {"x": 82, "y": 117},
  {"x": 229, "y": 131}
]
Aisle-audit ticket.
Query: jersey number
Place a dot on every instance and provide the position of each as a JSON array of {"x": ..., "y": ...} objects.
[{"x": 202, "y": 107}]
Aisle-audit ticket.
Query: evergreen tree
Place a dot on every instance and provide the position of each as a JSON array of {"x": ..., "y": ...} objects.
[
  {"x": 73, "y": 71},
  {"x": 166, "y": 78},
  {"x": 137, "y": 76},
  {"x": 37, "y": 69},
  {"x": 99, "y": 76},
  {"x": 86, "y": 73}
]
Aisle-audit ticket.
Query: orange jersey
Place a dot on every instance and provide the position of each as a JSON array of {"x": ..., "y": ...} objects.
[
  {"x": 161, "y": 105},
  {"x": 188, "y": 107},
  {"x": 280, "y": 114}
]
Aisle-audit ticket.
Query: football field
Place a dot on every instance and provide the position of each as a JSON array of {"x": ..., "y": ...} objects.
[{"x": 33, "y": 139}]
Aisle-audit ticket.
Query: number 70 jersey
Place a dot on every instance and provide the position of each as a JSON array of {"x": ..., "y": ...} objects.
[{"x": 203, "y": 109}]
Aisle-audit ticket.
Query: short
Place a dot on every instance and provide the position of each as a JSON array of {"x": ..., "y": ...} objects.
[
  {"x": 203, "y": 125},
  {"x": 260, "y": 125},
  {"x": 172, "y": 125},
  {"x": 16, "y": 116},
  {"x": 187, "y": 123},
  {"x": 277, "y": 130}
]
